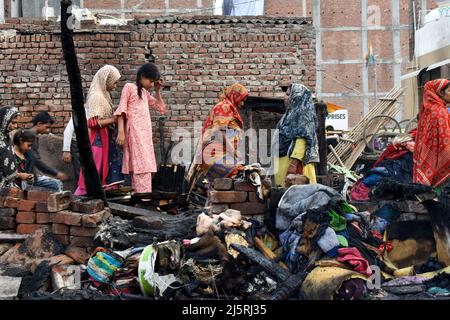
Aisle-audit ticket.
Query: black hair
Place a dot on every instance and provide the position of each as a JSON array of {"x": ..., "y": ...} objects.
[
  {"x": 43, "y": 117},
  {"x": 329, "y": 128},
  {"x": 149, "y": 71},
  {"x": 24, "y": 136}
]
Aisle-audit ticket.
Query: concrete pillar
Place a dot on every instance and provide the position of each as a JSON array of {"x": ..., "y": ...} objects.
[
  {"x": 122, "y": 6},
  {"x": 364, "y": 50},
  {"x": 397, "y": 47},
  {"x": 319, "y": 65},
  {"x": 423, "y": 8},
  {"x": 2, "y": 11}
]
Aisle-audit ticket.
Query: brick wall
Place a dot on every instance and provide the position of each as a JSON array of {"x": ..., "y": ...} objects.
[{"x": 196, "y": 57}]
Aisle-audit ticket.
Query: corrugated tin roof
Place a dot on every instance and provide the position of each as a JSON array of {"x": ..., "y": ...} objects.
[{"x": 224, "y": 20}]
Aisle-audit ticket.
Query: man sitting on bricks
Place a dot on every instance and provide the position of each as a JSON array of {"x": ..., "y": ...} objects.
[{"x": 41, "y": 125}]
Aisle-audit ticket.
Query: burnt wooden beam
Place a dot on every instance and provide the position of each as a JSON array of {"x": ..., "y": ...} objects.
[
  {"x": 288, "y": 283},
  {"x": 271, "y": 267},
  {"x": 321, "y": 113},
  {"x": 148, "y": 224},
  {"x": 91, "y": 176},
  {"x": 129, "y": 212}
]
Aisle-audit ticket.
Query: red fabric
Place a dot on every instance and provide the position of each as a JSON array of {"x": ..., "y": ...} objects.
[
  {"x": 393, "y": 152},
  {"x": 432, "y": 153},
  {"x": 226, "y": 111},
  {"x": 353, "y": 257},
  {"x": 386, "y": 246},
  {"x": 94, "y": 128},
  {"x": 360, "y": 192}
]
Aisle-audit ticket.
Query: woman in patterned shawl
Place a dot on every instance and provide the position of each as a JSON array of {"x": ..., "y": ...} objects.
[
  {"x": 432, "y": 148},
  {"x": 8, "y": 164},
  {"x": 221, "y": 134},
  {"x": 297, "y": 146},
  {"x": 101, "y": 123}
]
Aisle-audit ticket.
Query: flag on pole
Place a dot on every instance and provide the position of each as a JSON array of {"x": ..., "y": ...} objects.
[{"x": 370, "y": 57}]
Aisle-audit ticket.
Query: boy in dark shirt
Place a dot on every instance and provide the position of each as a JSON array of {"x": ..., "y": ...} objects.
[{"x": 41, "y": 125}]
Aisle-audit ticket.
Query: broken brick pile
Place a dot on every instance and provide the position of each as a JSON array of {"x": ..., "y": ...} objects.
[
  {"x": 73, "y": 222},
  {"x": 238, "y": 195}
]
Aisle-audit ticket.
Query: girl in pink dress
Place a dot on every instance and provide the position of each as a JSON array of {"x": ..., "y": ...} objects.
[{"x": 135, "y": 126}]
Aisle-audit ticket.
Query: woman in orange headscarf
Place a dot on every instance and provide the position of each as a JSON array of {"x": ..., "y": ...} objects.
[
  {"x": 432, "y": 148},
  {"x": 222, "y": 131}
]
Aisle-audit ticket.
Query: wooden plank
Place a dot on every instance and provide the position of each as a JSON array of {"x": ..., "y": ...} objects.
[
  {"x": 12, "y": 237},
  {"x": 129, "y": 212}
]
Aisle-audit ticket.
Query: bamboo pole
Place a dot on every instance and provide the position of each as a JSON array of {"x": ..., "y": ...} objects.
[{"x": 349, "y": 152}]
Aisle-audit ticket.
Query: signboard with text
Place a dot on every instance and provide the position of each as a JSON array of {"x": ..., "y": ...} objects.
[{"x": 338, "y": 119}]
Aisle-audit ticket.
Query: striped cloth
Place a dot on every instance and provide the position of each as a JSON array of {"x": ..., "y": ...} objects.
[{"x": 103, "y": 264}]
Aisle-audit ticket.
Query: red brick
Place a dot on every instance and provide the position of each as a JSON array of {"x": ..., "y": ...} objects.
[
  {"x": 83, "y": 231},
  {"x": 16, "y": 193},
  {"x": 27, "y": 205},
  {"x": 93, "y": 220},
  {"x": 12, "y": 202},
  {"x": 58, "y": 228},
  {"x": 217, "y": 208},
  {"x": 67, "y": 217},
  {"x": 89, "y": 207},
  {"x": 41, "y": 207},
  {"x": 253, "y": 197},
  {"x": 7, "y": 223},
  {"x": 227, "y": 196},
  {"x": 29, "y": 228},
  {"x": 43, "y": 217},
  {"x": 2, "y": 202},
  {"x": 26, "y": 217},
  {"x": 244, "y": 186},
  {"x": 78, "y": 254},
  {"x": 59, "y": 201},
  {"x": 249, "y": 208},
  {"x": 38, "y": 195},
  {"x": 223, "y": 184},
  {"x": 64, "y": 239},
  {"x": 82, "y": 241},
  {"x": 8, "y": 212}
]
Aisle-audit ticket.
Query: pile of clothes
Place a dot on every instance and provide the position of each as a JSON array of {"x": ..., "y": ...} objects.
[
  {"x": 315, "y": 222},
  {"x": 340, "y": 247},
  {"x": 396, "y": 162}
]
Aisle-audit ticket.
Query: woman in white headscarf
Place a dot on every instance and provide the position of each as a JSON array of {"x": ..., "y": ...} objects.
[{"x": 101, "y": 123}]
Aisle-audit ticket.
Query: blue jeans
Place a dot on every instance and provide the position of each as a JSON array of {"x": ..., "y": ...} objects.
[{"x": 49, "y": 183}]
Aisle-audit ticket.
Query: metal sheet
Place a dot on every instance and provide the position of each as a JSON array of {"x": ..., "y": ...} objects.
[{"x": 439, "y": 64}]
